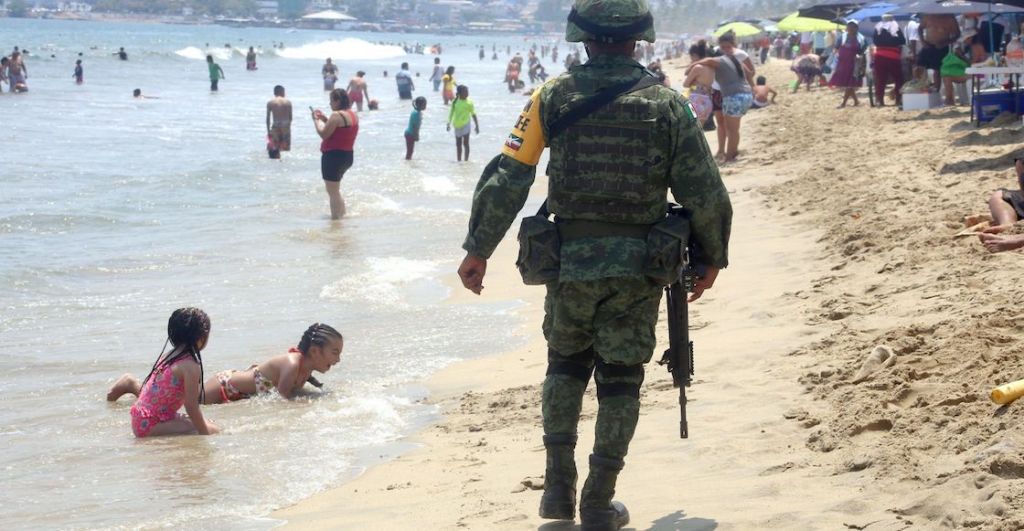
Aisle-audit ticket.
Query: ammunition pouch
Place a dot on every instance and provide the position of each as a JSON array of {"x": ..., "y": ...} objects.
[
  {"x": 666, "y": 249},
  {"x": 539, "y": 249}
]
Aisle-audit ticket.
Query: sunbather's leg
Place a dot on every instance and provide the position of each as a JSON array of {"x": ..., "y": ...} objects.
[{"x": 1002, "y": 212}]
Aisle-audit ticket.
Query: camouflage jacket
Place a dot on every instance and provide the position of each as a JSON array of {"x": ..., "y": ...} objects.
[{"x": 693, "y": 176}]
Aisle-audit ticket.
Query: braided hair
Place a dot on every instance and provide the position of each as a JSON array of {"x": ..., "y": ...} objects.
[
  {"x": 186, "y": 328},
  {"x": 317, "y": 334}
]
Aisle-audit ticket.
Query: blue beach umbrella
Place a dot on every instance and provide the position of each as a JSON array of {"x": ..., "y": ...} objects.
[{"x": 874, "y": 12}]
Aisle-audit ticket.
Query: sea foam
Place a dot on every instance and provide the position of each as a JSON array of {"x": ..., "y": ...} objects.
[{"x": 349, "y": 49}]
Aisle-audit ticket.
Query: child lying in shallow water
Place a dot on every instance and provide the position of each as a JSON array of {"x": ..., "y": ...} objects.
[{"x": 318, "y": 350}]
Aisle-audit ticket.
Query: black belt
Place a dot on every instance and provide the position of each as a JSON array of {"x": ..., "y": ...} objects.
[{"x": 575, "y": 229}]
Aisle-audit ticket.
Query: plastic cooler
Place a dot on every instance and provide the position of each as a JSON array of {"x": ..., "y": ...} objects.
[{"x": 988, "y": 105}]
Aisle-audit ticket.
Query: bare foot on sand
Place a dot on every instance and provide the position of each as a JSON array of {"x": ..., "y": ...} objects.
[
  {"x": 996, "y": 243},
  {"x": 126, "y": 384}
]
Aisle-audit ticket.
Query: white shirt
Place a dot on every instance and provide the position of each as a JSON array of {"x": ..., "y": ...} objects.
[{"x": 911, "y": 32}]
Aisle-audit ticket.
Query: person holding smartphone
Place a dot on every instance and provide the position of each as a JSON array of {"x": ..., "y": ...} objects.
[{"x": 338, "y": 133}]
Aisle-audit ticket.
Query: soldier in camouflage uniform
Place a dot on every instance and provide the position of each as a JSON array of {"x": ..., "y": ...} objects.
[{"x": 609, "y": 175}]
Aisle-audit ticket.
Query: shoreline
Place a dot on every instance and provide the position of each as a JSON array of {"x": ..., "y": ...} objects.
[{"x": 471, "y": 468}]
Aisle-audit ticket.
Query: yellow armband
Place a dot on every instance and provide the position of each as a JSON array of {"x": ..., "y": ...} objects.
[{"x": 526, "y": 141}]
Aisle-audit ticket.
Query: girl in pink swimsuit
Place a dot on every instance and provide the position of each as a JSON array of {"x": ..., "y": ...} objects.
[
  {"x": 175, "y": 381},
  {"x": 318, "y": 350}
]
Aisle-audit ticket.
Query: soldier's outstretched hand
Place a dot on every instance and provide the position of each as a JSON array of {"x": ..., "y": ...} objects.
[
  {"x": 472, "y": 273},
  {"x": 703, "y": 283}
]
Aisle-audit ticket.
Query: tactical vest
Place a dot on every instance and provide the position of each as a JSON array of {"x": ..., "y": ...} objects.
[{"x": 613, "y": 165}]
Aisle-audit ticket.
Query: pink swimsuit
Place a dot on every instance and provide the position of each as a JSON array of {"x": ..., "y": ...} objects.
[{"x": 160, "y": 400}]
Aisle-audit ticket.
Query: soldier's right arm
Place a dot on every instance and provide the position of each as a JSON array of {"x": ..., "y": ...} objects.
[
  {"x": 697, "y": 185},
  {"x": 502, "y": 190}
]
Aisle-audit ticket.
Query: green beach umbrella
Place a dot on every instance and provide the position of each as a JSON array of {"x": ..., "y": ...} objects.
[
  {"x": 795, "y": 22},
  {"x": 741, "y": 29}
]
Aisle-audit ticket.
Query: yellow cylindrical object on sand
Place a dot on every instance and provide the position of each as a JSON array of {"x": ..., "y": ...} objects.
[{"x": 1006, "y": 393}]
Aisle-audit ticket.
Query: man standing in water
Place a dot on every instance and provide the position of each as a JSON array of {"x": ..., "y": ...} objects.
[
  {"x": 250, "y": 59},
  {"x": 357, "y": 90},
  {"x": 435, "y": 76},
  {"x": 17, "y": 73},
  {"x": 404, "y": 82},
  {"x": 279, "y": 131},
  {"x": 608, "y": 181},
  {"x": 330, "y": 73},
  {"x": 216, "y": 73}
]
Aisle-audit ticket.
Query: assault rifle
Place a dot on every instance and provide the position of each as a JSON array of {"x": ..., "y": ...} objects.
[{"x": 679, "y": 355}]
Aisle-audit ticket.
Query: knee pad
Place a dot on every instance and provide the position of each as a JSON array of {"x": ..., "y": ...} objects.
[
  {"x": 579, "y": 366},
  {"x": 632, "y": 374}
]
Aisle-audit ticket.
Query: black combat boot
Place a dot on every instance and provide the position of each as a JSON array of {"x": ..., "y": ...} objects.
[
  {"x": 597, "y": 510},
  {"x": 559, "y": 499}
]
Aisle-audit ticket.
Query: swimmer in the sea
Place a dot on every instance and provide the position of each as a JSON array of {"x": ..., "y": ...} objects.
[
  {"x": 279, "y": 130},
  {"x": 357, "y": 90}
]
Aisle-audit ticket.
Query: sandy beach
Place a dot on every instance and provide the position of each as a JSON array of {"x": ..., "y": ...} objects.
[{"x": 842, "y": 250}]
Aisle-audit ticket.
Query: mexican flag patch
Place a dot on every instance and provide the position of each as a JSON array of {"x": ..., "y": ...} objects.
[
  {"x": 689, "y": 111},
  {"x": 514, "y": 142}
]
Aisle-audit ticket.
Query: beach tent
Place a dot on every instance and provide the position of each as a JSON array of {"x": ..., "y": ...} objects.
[
  {"x": 330, "y": 16},
  {"x": 741, "y": 29},
  {"x": 795, "y": 22}
]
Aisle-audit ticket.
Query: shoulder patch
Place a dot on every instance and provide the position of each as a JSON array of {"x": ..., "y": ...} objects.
[
  {"x": 526, "y": 142},
  {"x": 690, "y": 112}
]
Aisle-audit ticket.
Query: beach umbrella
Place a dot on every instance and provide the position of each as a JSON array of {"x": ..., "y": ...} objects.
[
  {"x": 875, "y": 11},
  {"x": 795, "y": 22},
  {"x": 831, "y": 9},
  {"x": 1015, "y": 3},
  {"x": 953, "y": 7},
  {"x": 741, "y": 29},
  {"x": 959, "y": 7}
]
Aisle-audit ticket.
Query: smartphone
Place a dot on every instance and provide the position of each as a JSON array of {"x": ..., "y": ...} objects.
[{"x": 311, "y": 109}]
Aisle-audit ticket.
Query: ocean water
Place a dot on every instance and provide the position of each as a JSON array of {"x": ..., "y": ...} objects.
[{"x": 115, "y": 211}]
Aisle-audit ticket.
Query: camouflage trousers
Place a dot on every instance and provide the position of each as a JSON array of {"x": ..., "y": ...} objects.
[{"x": 605, "y": 327}]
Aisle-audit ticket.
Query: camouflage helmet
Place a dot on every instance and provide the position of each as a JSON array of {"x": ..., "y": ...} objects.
[{"x": 610, "y": 21}]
